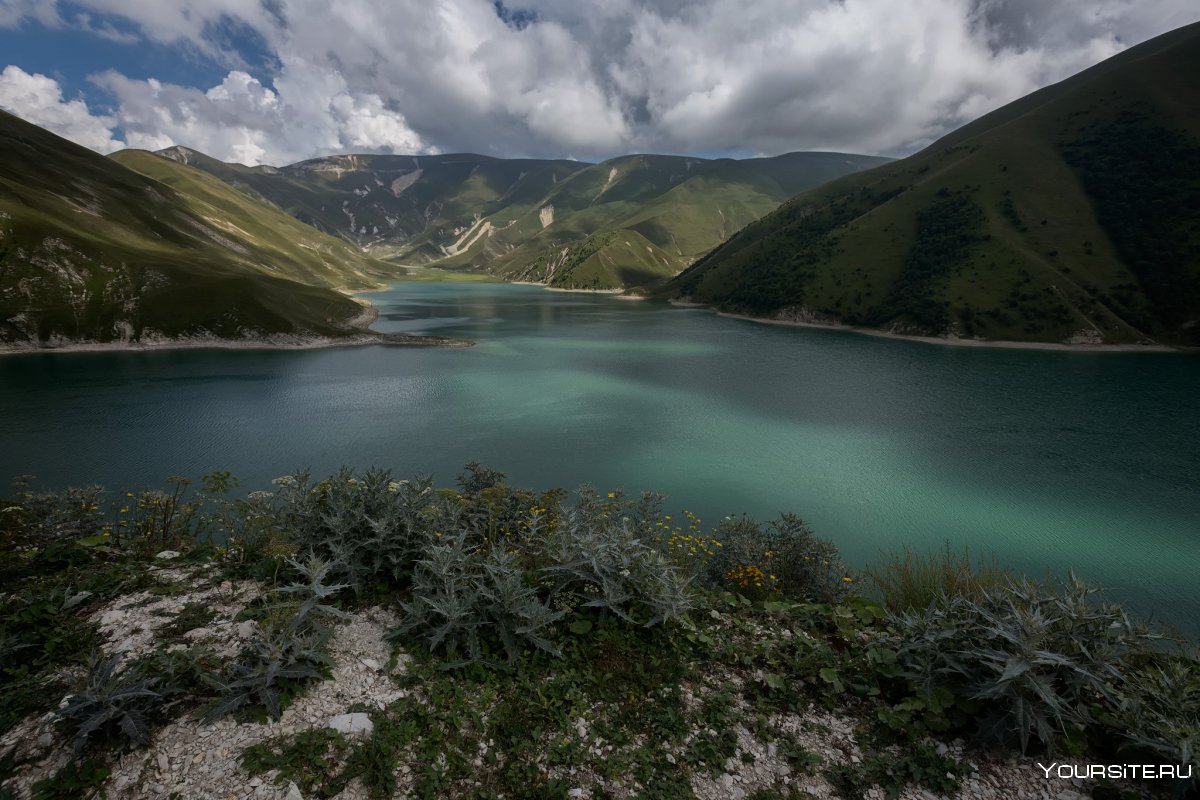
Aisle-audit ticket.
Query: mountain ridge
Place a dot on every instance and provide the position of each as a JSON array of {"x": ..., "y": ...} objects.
[
  {"x": 1065, "y": 216},
  {"x": 418, "y": 210},
  {"x": 92, "y": 251}
]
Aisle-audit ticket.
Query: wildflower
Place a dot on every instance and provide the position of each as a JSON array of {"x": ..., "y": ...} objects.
[{"x": 848, "y": 579}]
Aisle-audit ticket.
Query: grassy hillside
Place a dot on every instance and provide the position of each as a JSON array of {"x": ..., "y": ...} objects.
[
  {"x": 601, "y": 261},
  {"x": 682, "y": 207},
  {"x": 294, "y": 250},
  {"x": 393, "y": 205},
  {"x": 517, "y": 218},
  {"x": 92, "y": 250},
  {"x": 1071, "y": 215}
]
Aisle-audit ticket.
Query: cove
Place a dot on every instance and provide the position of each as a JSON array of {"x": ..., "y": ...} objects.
[{"x": 1088, "y": 461}]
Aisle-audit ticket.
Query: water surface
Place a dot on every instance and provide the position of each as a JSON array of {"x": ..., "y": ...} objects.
[{"x": 1082, "y": 460}]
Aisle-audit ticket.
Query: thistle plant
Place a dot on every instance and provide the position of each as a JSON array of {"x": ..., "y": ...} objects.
[
  {"x": 273, "y": 667},
  {"x": 313, "y": 592},
  {"x": 1036, "y": 655},
  {"x": 1158, "y": 711},
  {"x": 114, "y": 702},
  {"x": 284, "y": 655},
  {"x": 614, "y": 566},
  {"x": 468, "y": 602},
  {"x": 371, "y": 526}
]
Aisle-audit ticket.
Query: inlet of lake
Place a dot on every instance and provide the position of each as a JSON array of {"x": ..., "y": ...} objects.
[{"x": 1060, "y": 460}]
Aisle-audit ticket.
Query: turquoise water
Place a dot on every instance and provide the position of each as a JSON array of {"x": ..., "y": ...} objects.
[{"x": 1067, "y": 460}]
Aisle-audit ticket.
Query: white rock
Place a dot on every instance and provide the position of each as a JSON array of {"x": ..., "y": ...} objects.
[
  {"x": 352, "y": 723},
  {"x": 168, "y": 554},
  {"x": 576, "y": 792},
  {"x": 293, "y": 792}
]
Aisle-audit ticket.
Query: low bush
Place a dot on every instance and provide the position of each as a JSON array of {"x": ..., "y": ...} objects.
[
  {"x": 607, "y": 557},
  {"x": 1157, "y": 713},
  {"x": 288, "y": 651},
  {"x": 783, "y": 558},
  {"x": 1035, "y": 655},
  {"x": 115, "y": 703},
  {"x": 469, "y": 602},
  {"x": 483, "y": 591},
  {"x": 40, "y": 519},
  {"x": 372, "y": 526}
]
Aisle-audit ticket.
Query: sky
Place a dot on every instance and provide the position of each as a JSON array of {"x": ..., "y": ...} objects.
[{"x": 279, "y": 81}]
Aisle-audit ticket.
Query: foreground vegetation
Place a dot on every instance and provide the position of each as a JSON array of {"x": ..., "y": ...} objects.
[{"x": 544, "y": 645}]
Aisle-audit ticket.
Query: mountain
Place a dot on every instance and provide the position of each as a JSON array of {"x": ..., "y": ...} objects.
[
  {"x": 398, "y": 206},
  {"x": 1071, "y": 215},
  {"x": 92, "y": 250},
  {"x": 624, "y": 222}
]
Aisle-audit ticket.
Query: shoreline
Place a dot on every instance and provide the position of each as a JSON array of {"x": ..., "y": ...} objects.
[
  {"x": 998, "y": 344},
  {"x": 566, "y": 291},
  {"x": 358, "y": 334},
  {"x": 291, "y": 343}
]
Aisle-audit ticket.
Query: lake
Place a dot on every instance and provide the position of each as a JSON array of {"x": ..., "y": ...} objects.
[{"x": 1066, "y": 460}]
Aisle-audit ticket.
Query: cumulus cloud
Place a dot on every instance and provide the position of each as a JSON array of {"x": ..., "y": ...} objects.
[
  {"x": 39, "y": 100},
  {"x": 313, "y": 112},
  {"x": 547, "y": 78}
]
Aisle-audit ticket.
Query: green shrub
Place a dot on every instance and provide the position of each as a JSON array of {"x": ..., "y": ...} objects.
[
  {"x": 783, "y": 558},
  {"x": 468, "y": 601},
  {"x": 284, "y": 654},
  {"x": 1158, "y": 713},
  {"x": 114, "y": 703},
  {"x": 1036, "y": 655},
  {"x": 910, "y": 581},
  {"x": 371, "y": 526},
  {"x": 505, "y": 569},
  {"x": 271, "y": 670},
  {"x": 41, "y": 519},
  {"x": 607, "y": 556}
]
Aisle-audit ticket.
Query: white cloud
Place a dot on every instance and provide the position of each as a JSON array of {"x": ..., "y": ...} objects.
[
  {"x": 312, "y": 113},
  {"x": 13, "y": 12},
  {"x": 594, "y": 79},
  {"x": 39, "y": 100}
]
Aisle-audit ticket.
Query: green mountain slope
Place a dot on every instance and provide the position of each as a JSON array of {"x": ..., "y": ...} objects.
[
  {"x": 682, "y": 207},
  {"x": 517, "y": 218},
  {"x": 1071, "y": 215},
  {"x": 392, "y": 205},
  {"x": 92, "y": 250}
]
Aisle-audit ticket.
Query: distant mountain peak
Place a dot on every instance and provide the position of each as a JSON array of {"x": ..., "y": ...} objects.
[{"x": 177, "y": 152}]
